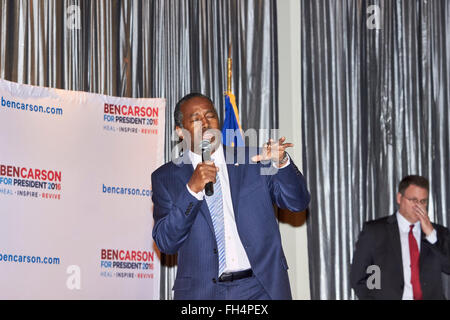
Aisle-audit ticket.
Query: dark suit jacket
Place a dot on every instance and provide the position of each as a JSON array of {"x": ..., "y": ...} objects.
[
  {"x": 379, "y": 244},
  {"x": 183, "y": 225}
]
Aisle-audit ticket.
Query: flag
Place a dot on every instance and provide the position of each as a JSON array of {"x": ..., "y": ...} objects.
[{"x": 232, "y": 122}]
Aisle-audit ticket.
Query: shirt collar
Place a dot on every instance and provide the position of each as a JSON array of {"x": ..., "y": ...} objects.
[
  {"x": 217, "y": 157},
  {"x": 404, "y": 224}
]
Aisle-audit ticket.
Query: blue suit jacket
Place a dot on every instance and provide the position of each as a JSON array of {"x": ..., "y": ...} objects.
[{"x": 183, "y": 224}]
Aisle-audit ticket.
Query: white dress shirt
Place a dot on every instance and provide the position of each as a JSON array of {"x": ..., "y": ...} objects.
[
  {"x": 235, "y": 255},
  {"x": 403, "y": 226}
]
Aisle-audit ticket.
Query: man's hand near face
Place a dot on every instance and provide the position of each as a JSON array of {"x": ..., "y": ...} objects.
[{"x": 425, "y": 222}]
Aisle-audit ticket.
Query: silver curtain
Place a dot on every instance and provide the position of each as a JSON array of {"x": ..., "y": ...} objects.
[
  {"x": 375, "y": 109},
  {"x": 147, "y": 48}
]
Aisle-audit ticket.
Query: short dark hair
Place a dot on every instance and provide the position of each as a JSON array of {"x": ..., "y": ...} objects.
[
  {"x": 416, "y": 180},
  {"x": 178, "y": 115}
]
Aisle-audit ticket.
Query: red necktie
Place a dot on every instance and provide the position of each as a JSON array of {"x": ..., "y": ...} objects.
[{"x": 414, "y": 255}]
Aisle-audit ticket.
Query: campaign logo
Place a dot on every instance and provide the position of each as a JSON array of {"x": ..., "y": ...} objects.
[
  {"x": 30, "y": 182},
  {"x": 130, "y": 264},
  {"x": 131, "y": 119}
]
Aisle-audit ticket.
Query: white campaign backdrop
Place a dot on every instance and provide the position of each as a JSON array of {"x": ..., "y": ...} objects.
[{"x": 52, "y": 237}]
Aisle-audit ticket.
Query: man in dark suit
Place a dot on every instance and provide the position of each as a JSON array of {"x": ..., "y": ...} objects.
[
  {"x": 405, "y": 251},
  {"x": 228, "y": 244}
]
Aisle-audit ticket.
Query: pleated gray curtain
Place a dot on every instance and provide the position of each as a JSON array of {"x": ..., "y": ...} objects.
[
  {"x": 375, "y": 109},
  {"x": 147, "y": 48}
]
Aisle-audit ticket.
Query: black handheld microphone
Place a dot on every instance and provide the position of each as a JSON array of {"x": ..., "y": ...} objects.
[{"x": 206, "y": 156}]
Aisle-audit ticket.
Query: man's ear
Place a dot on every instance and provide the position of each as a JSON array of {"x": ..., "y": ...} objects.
[
  {"x": 399, "y": 197},
  {"x": 179, "y": 131}
]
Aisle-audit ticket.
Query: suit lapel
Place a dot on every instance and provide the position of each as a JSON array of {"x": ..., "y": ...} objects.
[
  {"x": 424, "y": 250},
  {"x": 207, "y": 215},
  {"x": 234, "y": 176},
  {"x": 395, "y": 242},
  {"x": 185, "y": 173},
  {"x": 423, "y": 256}
]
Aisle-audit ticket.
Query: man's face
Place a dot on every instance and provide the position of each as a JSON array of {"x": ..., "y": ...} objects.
[
  {"x": 199, "y": 115},
  {"x": 413, "y": 195}
]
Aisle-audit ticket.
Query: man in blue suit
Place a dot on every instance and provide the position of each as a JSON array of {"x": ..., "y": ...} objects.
[{"x": 228, "y": 244}]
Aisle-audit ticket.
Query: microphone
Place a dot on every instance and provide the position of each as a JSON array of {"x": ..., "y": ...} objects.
[{"x": 206, "y": 156}]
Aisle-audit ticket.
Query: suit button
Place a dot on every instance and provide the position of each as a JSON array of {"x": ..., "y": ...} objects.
[
  {"x": 215, "y": 251},
  {"x": 214, "y": 280}
]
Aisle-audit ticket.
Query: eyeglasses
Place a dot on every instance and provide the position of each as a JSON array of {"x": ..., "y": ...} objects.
[{"x": 417, "y": 201}]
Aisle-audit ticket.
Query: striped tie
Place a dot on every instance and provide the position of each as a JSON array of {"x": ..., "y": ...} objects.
[{"x": 216, "y": 209}]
